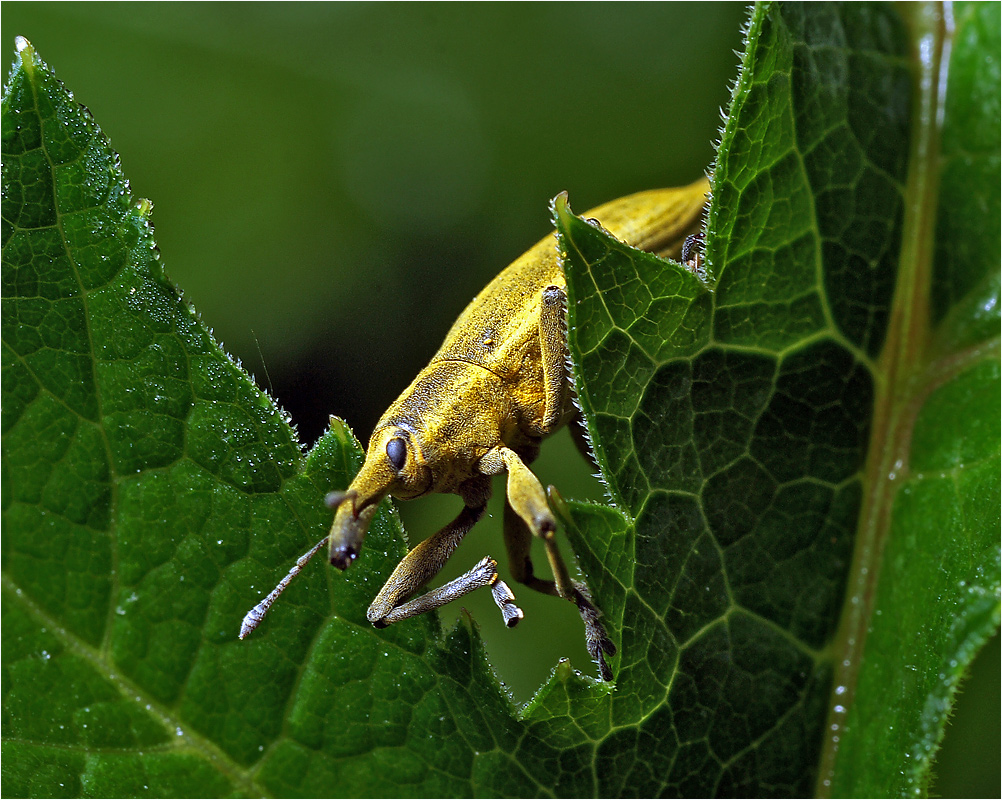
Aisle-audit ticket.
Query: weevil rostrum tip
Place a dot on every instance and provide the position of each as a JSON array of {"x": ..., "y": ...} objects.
[{"x": 497, "y": 387}]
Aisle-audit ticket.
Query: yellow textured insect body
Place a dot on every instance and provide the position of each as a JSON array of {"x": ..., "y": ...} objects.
[{"x": 496, "y": 388}]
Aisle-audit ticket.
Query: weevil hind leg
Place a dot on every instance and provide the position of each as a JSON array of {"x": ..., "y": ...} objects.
[{"x": 523, "y": 520}]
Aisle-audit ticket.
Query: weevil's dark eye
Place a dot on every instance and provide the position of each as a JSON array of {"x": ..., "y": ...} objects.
[{"x": 396, "y": 451}]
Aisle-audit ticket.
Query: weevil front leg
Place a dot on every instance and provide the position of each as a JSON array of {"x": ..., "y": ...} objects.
[
  {"x": 424, "y": 562},
  {"x": 527, "y": 514}
]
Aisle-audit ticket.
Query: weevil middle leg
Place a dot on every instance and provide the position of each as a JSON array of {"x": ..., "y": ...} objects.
[{"x": 527, "y": 513}]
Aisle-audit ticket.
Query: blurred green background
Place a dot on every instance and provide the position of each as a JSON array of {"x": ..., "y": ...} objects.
[{"x": 334, "y": 182}]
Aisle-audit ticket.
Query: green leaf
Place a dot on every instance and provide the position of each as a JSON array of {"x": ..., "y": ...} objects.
[
  {"x": 151, "y": 494},
  {"x": 805, "y": 470},
  {"x": 934, "y": 590}
]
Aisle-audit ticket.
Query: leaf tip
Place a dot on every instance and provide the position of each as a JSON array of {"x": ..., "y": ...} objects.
[
  {"x": 560, "y": 208},
  {"x": 26, "y": 53},
  {"x": 564, "y": 671},
  {"x": 338, "y": 428}
]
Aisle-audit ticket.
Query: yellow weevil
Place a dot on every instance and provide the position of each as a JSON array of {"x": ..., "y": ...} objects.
[{"x": 496, "y": 388}]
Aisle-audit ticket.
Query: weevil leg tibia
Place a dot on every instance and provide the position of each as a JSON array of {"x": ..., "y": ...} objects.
[
  {"x": 553, "y": 355},
  {"x": 424, "y": 561}
]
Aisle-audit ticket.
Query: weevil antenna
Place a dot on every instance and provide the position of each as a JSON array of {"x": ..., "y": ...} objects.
[
  {"x": 264, "y": 364},
  {"x": 253, "y": 617},
  {"x": 333, "y": 499}
]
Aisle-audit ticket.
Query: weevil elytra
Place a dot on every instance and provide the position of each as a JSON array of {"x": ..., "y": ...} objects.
[{"x": 496, "y": 388}]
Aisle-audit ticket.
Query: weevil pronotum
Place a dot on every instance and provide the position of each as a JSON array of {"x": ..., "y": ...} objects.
[{"x": 496, "y": 388}]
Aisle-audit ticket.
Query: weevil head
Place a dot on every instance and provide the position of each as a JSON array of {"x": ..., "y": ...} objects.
[
  {"x": 396, "y": 456},
  {"x": 429, "y": 440},
  {"x": 393, "y": 465}
]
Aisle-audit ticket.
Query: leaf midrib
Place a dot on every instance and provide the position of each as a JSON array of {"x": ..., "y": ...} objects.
[
  {"x": 900, "y": 382},
  {"x": 28, "y": 59}
]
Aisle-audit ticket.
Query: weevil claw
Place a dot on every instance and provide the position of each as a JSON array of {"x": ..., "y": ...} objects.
[
  {"x": 604, "y": 669},
  {"x": 597, "y": 640}
]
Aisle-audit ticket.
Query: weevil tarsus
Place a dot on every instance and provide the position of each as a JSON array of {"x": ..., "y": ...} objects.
[
  {"x": 596, "y": 639},
  {"x": 692, "y": 251},
  {"x": 505, "y": 601}
]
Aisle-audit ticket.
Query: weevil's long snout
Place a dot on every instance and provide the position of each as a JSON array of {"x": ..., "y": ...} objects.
[
  {"x": 348, "y": 533},
  {"x": 355, "y": 509}
]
